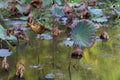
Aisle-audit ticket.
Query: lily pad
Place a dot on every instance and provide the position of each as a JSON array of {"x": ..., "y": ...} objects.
[
  {"x": 84, "y": 33},
  {"x": 5, "y": 52},
  {"x": 50, "y": 76}
]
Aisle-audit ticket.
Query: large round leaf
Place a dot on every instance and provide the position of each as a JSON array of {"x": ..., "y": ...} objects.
[{"x": 84, "y": 33}]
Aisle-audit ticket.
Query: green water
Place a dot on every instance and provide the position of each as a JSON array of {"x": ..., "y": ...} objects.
[{"x": 100, "y": 62}]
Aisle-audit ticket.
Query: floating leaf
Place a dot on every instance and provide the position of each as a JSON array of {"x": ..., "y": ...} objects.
[
  {"x": 84, "y": 33},
  {"x": 5, "y": 52}
]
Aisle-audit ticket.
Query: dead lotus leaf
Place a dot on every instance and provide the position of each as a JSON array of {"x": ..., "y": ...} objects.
[
  {"x": 37, "y": 27},
  {"x": 36, "y": 3}
]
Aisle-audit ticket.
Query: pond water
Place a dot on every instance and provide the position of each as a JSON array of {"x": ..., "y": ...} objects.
[{"x": 51, "y": 58}]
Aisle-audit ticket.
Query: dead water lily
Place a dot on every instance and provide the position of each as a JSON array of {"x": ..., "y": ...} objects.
[
  {"x": 77, "y": 54},
  {"x": 104, "y": 36},
  {"x": 18, "y": 32},
  {"x": 56, "y": 31}
]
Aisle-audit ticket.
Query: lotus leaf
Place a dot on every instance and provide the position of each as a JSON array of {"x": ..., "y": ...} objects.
[
  {"x": 95, "y": 11},
  {"x": 57, "y": 11},
  {"x": 58, "y": 2},
  {"x": 5, "y": 37},
  {"x": 47, "y": 2},
  {"x": 84, "y": 33}
]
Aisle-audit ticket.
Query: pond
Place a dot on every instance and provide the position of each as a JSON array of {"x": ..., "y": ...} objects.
[{"x": 51, "y": 58}]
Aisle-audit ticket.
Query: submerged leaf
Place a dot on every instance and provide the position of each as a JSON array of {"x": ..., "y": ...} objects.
[{"x": 84, "y": 33}]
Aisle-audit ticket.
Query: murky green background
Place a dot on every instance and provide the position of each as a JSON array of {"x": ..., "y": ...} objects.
[{"x": 100, "y": 62}]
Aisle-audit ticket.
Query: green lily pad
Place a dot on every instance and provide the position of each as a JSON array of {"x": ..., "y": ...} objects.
[
  {"x": 5, "y": 37},
  {"x": 84, "y": 33}
]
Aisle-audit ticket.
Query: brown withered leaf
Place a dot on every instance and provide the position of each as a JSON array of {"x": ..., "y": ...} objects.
[
  {"x": 67, "y": 9},
  {"x": 77, "y": 54},
  {"x": 83, "y": 10},
  {"x": 37, "y": 27},
  {"x": 56, "y": 31},
  {"x": 36, "y": 3},
  {"x": 30, "y": 19},
  {"x": 13, "y": 10},
  {"x": 27, "y": 9},
  {"x": 18, "y": 32},
  {"x": 92, "y": 2}
]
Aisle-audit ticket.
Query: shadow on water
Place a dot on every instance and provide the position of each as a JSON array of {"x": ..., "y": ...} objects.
[{"x": 16, "y": 78}]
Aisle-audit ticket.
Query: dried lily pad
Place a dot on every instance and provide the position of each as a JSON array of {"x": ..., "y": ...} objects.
[
  {"x": 84, "y": 33},
  {"x": 5, "y": 52}
]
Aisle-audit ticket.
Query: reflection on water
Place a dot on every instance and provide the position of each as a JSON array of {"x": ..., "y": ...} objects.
[{"x": 100, "y": 62}]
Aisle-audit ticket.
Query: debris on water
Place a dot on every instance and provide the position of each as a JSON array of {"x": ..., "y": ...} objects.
[
  {"x": 44, "y": 36},
  {"x": 50, "y": 76},
  {"x": 12, "y": 23},
  {"x": 36, "y": 66},
  {"x": 5, "y": 52},
  {"x": 68, "y": 42}
]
